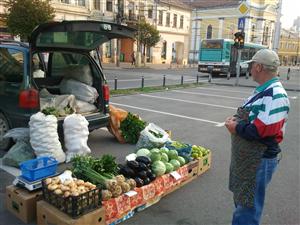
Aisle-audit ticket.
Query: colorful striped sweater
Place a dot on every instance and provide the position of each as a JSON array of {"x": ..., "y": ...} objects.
[{"x": 268, "y": 106}]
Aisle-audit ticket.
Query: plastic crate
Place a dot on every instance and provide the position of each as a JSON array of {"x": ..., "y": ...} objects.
[
  {"x": 36, "y": 169},
  {"x": 74, "y": 206}
]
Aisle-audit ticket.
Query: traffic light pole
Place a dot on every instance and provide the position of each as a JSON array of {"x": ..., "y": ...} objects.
[{"x": 238, "y": 71}]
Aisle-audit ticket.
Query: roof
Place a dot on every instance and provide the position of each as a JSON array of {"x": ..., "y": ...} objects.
[
  {"x": 177, "y": 3},
  {"x": 211, "y": 3}
]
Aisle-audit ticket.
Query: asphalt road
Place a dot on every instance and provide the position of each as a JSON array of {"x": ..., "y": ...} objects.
[{"x": 195, "y": 116}]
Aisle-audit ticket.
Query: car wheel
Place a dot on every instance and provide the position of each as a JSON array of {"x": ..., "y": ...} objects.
[{"x": 5, "y": 143}]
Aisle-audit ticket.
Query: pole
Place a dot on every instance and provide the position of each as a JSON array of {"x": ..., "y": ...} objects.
[
  {"x": 116, "y": 83},
  {"x": 277, "y": 27},
  {"x": 138, "y": 53},
  {"x": 164, "y": 80},
  {"x": 238, "y": 67},
  {"x": 143, "y": 82}
]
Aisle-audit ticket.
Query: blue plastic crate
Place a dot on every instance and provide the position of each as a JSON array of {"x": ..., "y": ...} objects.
[{"x": 36, "y": 169}]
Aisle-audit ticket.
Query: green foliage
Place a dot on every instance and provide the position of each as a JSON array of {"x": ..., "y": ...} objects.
[
  {"x": 131, "y": 128},
  {"x": 24, "y": 15}
]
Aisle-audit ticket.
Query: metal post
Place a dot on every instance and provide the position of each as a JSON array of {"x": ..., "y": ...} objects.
[
  {"x": 143, "y": 82},
  {"x": 228, "y": 75},
  {"x": 288, "y": 74},
  {"x": 247, "y": 74},
  {"x": 197, "y": 79},
  {"x": 116, "y": 83},
  {"x": 164, "y": 80},
  {"x": 181, "y": 79},
  {"x": 238, "y": 67}
]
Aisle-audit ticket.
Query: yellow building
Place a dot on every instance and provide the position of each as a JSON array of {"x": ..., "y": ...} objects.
[
  {"x": 289, "y": 47},
  {"x": 219, "y": 19}
]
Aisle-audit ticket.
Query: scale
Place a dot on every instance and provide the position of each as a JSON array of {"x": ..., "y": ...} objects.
[{"x": 29, "y": 185}]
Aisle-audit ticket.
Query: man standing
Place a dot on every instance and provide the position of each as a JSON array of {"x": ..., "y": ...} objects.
[{"x": 256, "y": 131}]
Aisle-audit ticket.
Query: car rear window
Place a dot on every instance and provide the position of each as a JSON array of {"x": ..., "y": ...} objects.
[{"x": 11, "y": 65}]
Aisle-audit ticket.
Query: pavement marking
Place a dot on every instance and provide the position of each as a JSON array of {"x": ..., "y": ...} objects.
[
  {"x": 226, "y": 90},
  {"x": 187, "y": 101},
  {"x": 169, "y": 114},
  {"x": 221, "y": 96}
]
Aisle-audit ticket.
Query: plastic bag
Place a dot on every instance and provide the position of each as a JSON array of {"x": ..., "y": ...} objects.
[
  {"x": 44, "y": 137},
  {"x": 81, "y": 91},
  {"x": 152, "y": 137},
  {"x": 19, "y": 152},
  {"x": 85, "y": 107},
  {"x": 18, "y": 134},
  {"x": 76, "y": 134},
  {"x": 81, "y": 73}
]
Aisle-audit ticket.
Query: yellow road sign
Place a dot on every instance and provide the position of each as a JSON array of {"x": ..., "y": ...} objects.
[{"x": 243, "y": 8}]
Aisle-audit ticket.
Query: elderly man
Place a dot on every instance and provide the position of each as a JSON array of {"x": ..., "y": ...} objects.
[{"x": 256, "y": 131}]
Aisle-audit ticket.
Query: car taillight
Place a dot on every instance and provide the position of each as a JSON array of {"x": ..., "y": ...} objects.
[
  {"x": 105, "y": 90},
  {"x": 29, "y": 99}
]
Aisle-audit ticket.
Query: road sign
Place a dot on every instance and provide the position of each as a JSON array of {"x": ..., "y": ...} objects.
[
  {"x": 241, "y": 23},
  {"x": 243, "y": 8}
]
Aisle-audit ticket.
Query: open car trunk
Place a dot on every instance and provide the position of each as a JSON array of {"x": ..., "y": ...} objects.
[{"x": 66, "y": 75}]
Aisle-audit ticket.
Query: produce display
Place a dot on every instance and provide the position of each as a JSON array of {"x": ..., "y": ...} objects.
[{"x": 199, "y": 152}]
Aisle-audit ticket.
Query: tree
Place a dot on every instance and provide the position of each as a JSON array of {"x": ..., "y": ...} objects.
[
  {"x": 147, "y": 35},
  {"x": 23, "y": 16}
]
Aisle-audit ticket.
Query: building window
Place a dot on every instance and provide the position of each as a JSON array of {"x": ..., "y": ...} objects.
[
  {"x": 109, "y": 5},
  {"x": 97, "y": 4},
  {"x": 108, "y": 51},
  {"x": 266, "y": 35},
  {"x": 81, "y": 2},
  {"x": 150, "y": 13},
  {"x": 65, "y": 1},
  {"x": 164, "y": 50},
  {"x": 181, "y": 22},
  {"x": 168, "y": 20},
  {"x": 160, "y": 17},
  {"x": 253, "y": 31},
  {"x": 209, "y": 32},
  {"x": 175, "y": 20}
]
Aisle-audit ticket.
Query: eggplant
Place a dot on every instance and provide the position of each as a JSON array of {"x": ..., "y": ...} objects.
[
  {"x": 143, "y": 159},
  {"x": 146, "y": 181},
  {"x": 127, "y": 172},
  {"x": 133, "y": 165},
  {"x": 139, "y": 182},
  {"x": 142, "y": 174},
  {"x": 151, "y": 176},
  {"x": 142, "y": 167}
]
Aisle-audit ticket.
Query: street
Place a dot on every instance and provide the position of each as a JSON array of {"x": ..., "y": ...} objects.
[{"x": 196, "y": 116}]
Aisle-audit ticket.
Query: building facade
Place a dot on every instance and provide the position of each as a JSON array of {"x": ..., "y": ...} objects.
[
  {"x": 289, "y": 47},
  {"x": 221, "y": 21}
]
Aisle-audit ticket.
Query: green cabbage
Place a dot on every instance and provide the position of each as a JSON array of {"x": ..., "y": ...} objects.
[
  {"x": 175, "y": 163},
  {"x": 143, "y": 152},
  {"x": 158, "y": 168}
]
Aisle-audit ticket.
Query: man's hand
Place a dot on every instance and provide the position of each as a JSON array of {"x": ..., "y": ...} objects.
[{"x": 230, "y": 124}]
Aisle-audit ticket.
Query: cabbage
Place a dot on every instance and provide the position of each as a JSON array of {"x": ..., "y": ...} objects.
[
  {"x": 154, "y": 150},
  {"x": 158, "y": 168},
  {"x": 175, "y": 163},
  {"x": 181, "y": 160},
  {"x": 164, "y": 150},
  {"x": 155, "y": 156},
  {"x": 143, "y": 152},
  {"x": 173, "y": 154},
  {"x": 164, "y": 157},
  {"x": 169, "y": 167}
]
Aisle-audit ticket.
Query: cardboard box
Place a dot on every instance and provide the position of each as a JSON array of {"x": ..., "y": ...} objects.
[
  {"x": 204, "y": 164},
  {"x": 48, "y": 214},
  {"x": 22, "y": 203},
  {"x": 192, "y": 168}
]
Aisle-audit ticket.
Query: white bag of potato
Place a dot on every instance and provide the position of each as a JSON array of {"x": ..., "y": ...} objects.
[
  {"x": 76, "y": 134},
  {"x": 44, "y": 137}
]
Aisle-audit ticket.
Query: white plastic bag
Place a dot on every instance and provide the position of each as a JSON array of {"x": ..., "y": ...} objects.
[
  {"x": 84, "y": 107},
  {"x": 81, "y": 91},
  {"x": 76, "y": 134},
  {"x": 44, "y": 137},
  {"x": 152, "y": 137}
]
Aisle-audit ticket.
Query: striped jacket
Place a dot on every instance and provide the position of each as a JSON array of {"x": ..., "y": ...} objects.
[{"x": 268, "y": 106}]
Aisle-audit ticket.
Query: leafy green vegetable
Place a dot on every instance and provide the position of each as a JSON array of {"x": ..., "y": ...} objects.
[
  {"x": 158, "y": 135},
  {"x": 51, "y": 111},
  {"x": 131, "y": 128}
]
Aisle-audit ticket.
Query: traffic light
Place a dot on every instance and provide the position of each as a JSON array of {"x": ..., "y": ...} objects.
[{"x": 239, "y": 39}]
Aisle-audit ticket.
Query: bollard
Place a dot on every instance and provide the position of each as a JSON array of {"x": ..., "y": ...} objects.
[
  {"x": 288, "y": 74},
  {"x": 247, "y": 74},
  {"x": 116, "y": 83},
  {"x": 143, "y": 82},
  {"x": 228, "y": 75},
  {"x": 181, "y": 79},
  {"x": 164, "y": 80},
  {"x": 197, "y": 79}
]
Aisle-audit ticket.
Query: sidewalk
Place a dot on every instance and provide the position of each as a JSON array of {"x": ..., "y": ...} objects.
[{"x": 126, "y": 65}]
